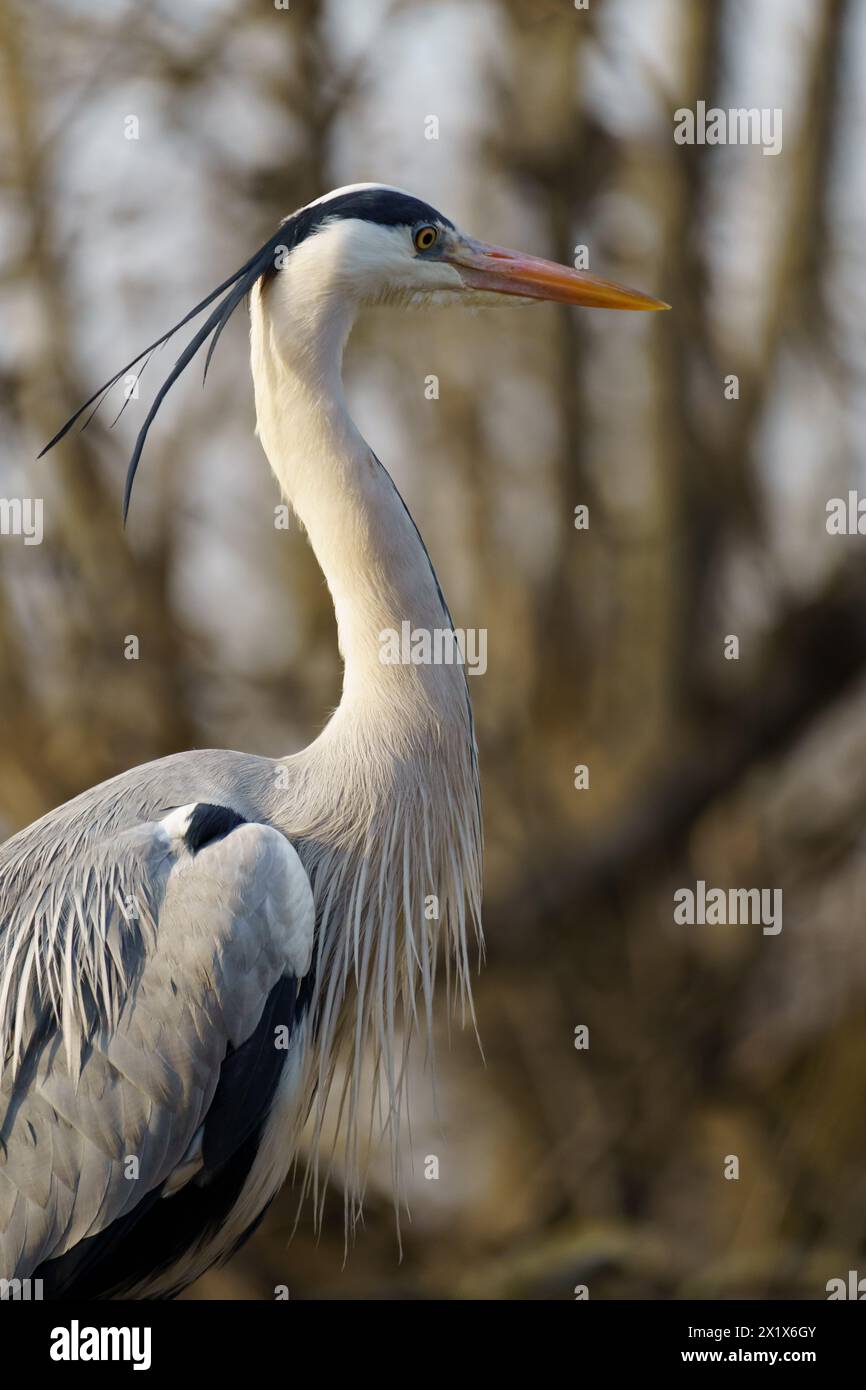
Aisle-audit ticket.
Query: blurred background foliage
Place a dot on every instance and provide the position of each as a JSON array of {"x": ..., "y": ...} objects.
[{"x": 606, "y": 646}]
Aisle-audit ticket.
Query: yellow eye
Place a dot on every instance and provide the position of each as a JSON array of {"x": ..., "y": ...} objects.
[{"x": 425, "y": 237}]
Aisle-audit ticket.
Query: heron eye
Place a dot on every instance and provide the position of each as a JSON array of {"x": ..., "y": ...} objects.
[{"x": 425, "y": 237}]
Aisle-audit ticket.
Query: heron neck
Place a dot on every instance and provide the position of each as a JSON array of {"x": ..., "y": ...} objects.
[
  {"x": 370, "y": 552},
  {"x": 384, "y": 806}
]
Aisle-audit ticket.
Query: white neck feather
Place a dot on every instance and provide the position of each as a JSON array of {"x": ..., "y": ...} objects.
[{"x": 384, "y": 806}]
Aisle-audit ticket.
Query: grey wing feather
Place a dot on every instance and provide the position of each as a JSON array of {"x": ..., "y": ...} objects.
[{"x": 125, "y": 974}]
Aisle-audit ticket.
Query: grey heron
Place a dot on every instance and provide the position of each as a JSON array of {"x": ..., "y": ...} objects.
[{"x": 185, "y": 948}]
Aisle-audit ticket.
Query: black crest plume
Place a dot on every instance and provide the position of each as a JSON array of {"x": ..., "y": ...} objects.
[
  {"x": 380, "y": 204},
  {"x": 237, "y": 285}
]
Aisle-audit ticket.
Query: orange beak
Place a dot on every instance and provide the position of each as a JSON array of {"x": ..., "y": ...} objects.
[{"x": 493, "y": 269}]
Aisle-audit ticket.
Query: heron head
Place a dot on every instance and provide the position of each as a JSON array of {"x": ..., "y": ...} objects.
[
  {"x": 373, "y": 244},
  {"x": 366, "y": 244}
]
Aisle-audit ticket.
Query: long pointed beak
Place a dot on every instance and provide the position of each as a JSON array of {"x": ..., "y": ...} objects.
[{"x": 493, "y": 269}]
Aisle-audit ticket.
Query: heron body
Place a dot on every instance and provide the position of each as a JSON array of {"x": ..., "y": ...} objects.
[{"x": 187, "y": 949}]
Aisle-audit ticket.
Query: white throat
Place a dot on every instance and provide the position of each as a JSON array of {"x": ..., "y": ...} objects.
[{"x": 369, "y": 550}]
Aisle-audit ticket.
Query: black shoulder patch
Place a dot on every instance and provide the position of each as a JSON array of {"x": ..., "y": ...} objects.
[{"x": 208, "y": 823}]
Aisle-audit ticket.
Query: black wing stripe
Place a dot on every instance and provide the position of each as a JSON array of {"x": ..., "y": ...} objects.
[
  {"x": 248, "y": 1079},
  {"x": 157, "y": 1233}
]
